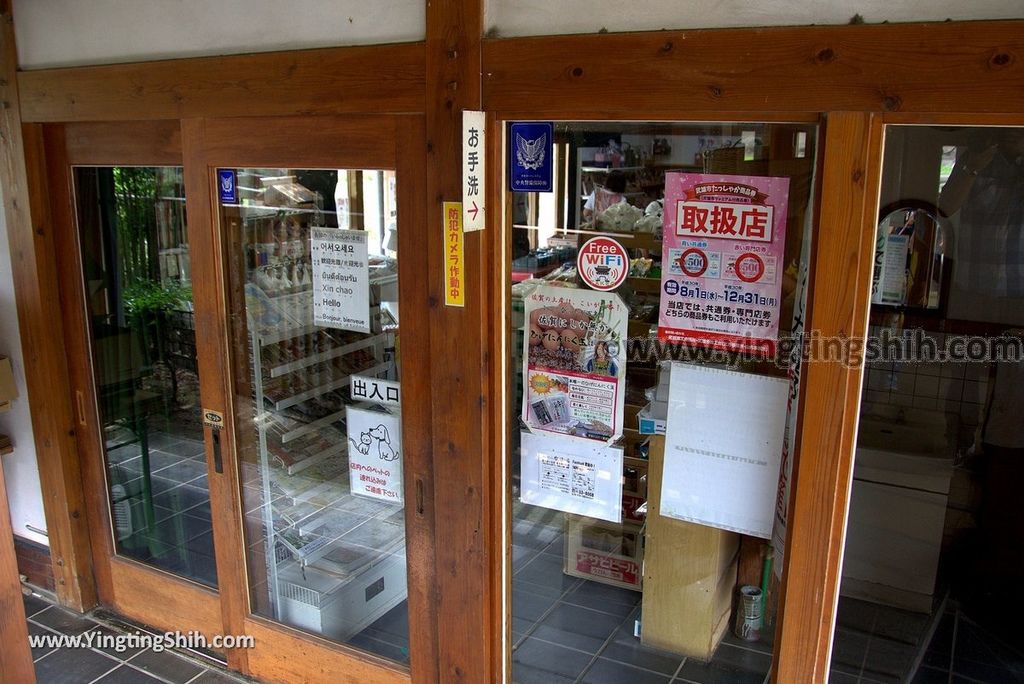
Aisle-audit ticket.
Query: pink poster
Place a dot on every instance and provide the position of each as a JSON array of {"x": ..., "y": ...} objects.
[{"x": 722, "y": 264}]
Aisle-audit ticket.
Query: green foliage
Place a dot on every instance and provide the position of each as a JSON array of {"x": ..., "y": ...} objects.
[{"x": 145, "y": 296}]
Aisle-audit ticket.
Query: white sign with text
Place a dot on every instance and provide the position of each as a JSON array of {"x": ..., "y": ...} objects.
[{"x": 341, "y": 279}]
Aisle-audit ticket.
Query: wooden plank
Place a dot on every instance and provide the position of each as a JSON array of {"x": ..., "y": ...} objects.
[
  {"x": 351, "y": 142},
  {"x": 459, "y": 362},
  {"x": 841, "y": 282},
  {"x": 379, "y": 78},
  {"x": 15, "y": 656},
  {"x": 33, "y": 264},
  {"x": 160, "y": 600},
  {"x": 689, "y": 576},
  {"x": 213, "y": 354},
  {"x": 417, "y": 421},
  {"x": 881, "y": 67},
  {"x": 74, "y": 310},
  {"x": 312, "y": 659},
  {"x": 126, "y": 143}
]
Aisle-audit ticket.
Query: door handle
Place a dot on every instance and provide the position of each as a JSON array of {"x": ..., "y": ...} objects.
[{"x": 218, "y": 459}]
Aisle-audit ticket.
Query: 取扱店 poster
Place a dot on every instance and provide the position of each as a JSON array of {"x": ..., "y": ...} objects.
[
  {"x": 375, "y": 454},
  {"x": 572, "y": 475},
  {"x": 574, "y": 362},
  {"x": 725, "y": 240}
]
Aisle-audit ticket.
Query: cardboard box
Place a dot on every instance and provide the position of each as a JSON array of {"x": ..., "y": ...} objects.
[
  {"x": 8, "y": 392},
  {"x": 604, "y": 552},
  {"x": 648, "y": 424}
]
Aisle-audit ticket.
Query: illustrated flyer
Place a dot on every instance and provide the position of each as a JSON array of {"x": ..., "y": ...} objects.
[
  {"x": 574, "y": 362},
  {"x": 725, "y": 240},
  {"x": 573, "y": 476},
  {"x": 375, "y": 454}
]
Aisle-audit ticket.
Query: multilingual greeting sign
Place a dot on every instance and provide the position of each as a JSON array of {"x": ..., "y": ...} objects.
[
  {"x": 725, "y": 239},
  {"x": 574, "y": 365},
  {"x": 341, "y": 279}
]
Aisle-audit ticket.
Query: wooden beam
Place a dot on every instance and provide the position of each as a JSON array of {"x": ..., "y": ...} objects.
[
  {"x": 379, "y": 78},
  {"x": 458, "y": 343},
  {"x": 15, "y": 656},
  {"x": 33, "y": 263},
  {"x": 831, "y": 398},
  {"x": 882, "y": 67}
]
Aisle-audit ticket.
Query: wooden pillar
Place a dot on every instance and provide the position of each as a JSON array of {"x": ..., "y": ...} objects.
[
  {"x": 33, "y": 264},
  {"x": 459, "y": 339},
  {"x": 839, "y": 307},
  {"x": 15, "y": 656}
]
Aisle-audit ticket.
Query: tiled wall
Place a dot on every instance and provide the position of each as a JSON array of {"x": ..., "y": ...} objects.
[{"x": 959, "y": 388}]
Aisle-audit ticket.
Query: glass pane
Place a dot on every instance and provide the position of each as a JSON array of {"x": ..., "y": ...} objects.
[
  {"x": 314, "y": 301},
  {"x": 935, "y": 536},
  {"x": 608, "y": 582},
  {"x": 138, "y": 286}
]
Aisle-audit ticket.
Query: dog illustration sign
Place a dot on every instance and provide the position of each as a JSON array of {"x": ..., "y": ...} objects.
[{"x": 375, "y": 454}]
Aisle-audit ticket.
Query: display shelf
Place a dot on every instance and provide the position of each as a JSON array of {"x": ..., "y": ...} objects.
[
  {"x": 320, "y": 390},
  {"x": 284, "y": 369},
  {"x": 312, "y": 426},
  {"x": 5, "y": 445}
]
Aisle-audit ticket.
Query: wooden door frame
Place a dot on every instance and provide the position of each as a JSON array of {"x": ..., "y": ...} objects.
[
  {"x": 134, "y": 589},
  {"x": 857, "y": 78},
  {"x": 866, "y": 71},
  {"x": 347, "y": 141}
]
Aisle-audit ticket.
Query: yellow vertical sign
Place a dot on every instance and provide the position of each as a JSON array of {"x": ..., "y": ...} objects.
[{"x": 455, "y": 267}]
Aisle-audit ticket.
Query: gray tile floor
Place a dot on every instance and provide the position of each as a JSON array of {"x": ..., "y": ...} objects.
[
  {"x": 566, "y": 629},
  {"x": 86, "y": 665},
  {"x": 880, "y": 645}
]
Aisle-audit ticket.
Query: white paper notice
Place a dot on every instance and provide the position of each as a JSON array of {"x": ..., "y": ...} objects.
[
  {"x": 474, "y": 136},
  {"x": 375, "y": 454},
  {"x": 572, "y": 475},
  {"x": 341, "y": 279},
  {"x": 894, "y": 270},
  {"x": 723, "y": 448}
]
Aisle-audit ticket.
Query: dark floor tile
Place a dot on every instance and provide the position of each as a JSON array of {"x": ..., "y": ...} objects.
[
  {"x": 764, "y": 644},
  {"x": 185, "y": 470},
  {"x": 381, "y": 647},
  {"x": 991, "y": 671},
  {"x": 214, "y": 677},
  {"x": 113, "y": 649},
  {"x": 72, "y": 666},
  {"x": 889, "y": 659},
  {"x": 603, "y": 597},
  {"x": 37, "y": 631},
  {"x": 848, "y": 651},
  {"x": 393, "y": 625},
  {"x": 538, "y": 662},
  {"x": 842, "y": 678},
  {"x": 575, "y": 627},
  {"x": 942, "y": 640},
  {"x": 128, "y": 675},
  {"x": 166, "y": 665},
  {"x": 728, "y": 666},
  {"x": 901, "y": 625},
  {"x": 527, "y": 605},
  {"x": 34, "y": 604},
  {"x": 930, "y": 675},
  {"x": 856, "y": 615},
  {"x": 520, "y": 627},
  {"x": 546, "y": 570},
  {"x": 638, "y": 655},
  {"x": 62, "y": 621},
  {"x": 610, "y": 672},
  {"x": 521, "y": 555}
]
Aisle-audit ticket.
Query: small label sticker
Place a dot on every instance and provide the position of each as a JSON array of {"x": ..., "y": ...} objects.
[
  {"x": 227, "y": 186},
  {"x": 213, "y": 419},
  {"x": 454, "y": 275}
]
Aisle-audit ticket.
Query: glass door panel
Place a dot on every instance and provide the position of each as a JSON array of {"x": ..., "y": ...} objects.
[
  {"x": 137, "y": 280},
  {"x": 313, "y": 296}
]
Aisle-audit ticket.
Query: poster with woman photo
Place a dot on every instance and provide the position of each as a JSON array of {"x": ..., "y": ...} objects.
[{"x": 574, "y": 362}]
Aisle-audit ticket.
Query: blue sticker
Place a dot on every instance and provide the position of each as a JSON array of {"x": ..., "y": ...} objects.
[
  {"x": 227, "y": 185},
  {"x": 530, "y": 161}
]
